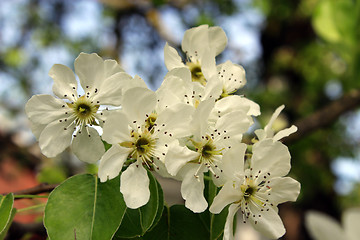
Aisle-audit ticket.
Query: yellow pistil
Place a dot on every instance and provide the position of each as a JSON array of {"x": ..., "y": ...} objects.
[
  {"x": 84, "y": 111},
  {"x": 150, "y": 121},
  {"x": 225, "y": 93},
  {"x": 196, "y": 72},
  {"x": 143, "y": 147}
]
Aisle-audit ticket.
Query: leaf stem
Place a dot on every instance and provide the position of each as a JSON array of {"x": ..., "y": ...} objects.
[
  {"x": 32, "y": 207},
  {"x": 31, "y": 196}
]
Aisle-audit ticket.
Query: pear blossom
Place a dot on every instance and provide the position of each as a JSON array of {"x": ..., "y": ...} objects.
[
  {"x": 201, "y": 45},
  {"x": 257, "y": 190},
  {"x": 140, "y": 132},
  {"x": 68, "y": 119},
  {"x": 177, "y": 83},
  {"x": 268, "y": 132},
  {"x": 323, "y": 227},
  {"x": 204, "y": 150},
  {"x": 232, "y": 77}
]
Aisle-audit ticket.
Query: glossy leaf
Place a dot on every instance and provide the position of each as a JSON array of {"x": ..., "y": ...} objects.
[
  {"x": 84, "y": 208},
  {"x": 7, "y": 213},
  {"x": 137, "y": 222}
]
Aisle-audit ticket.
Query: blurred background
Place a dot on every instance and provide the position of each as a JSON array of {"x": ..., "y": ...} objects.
[{"x": 301, "y": 53}]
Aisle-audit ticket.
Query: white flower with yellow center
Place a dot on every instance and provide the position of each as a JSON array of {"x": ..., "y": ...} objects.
[
  {"x": 232, "y": 77},
  {"x": 204, "y": 151},
  {"x": 178, "y": 84},
  {"x": 256, "y": 191},
  {"x": 141, "y": 132},
  {"x": 201, "y": 45},
  {"x": 324, "y": 227},
  {"x": 56, "y": 122},
  {"x": 268, "y": 132}
]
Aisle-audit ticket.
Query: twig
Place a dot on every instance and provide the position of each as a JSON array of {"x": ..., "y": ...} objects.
[
  {"x": 41, "y": 188},
  {"x": 325, "y": 116}
]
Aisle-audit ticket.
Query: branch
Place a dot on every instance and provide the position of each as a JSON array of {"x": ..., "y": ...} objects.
[
  {"x": 325, "y": 116},
  {"x": 41, "y": 188}
]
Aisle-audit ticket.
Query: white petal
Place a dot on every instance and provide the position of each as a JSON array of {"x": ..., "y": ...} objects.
[
  {"x": 233, "y": 124},
  {"x": 90, "y": 70},
  {"x": 176, "y": 119},
  {"x": 65, "y": 84},
  {"x": 110, "y": 90},
  {"x": 213, "y": 88},
  {"x": 208, "y": 65},
  {"x": 192, "y": 188},
  {"x": 231, "y": 75},
  {"x": 171, "y": 58},
  {"x": 44, "y": 109},
  {"x": 227, "y": 195},
  {"x": 177, "y": 157},
  {"x": 275, "y": 115},
  {"x": 234, "y": 103},
  {"x": 87, "y": 145},
  {"x": 269, "y": 224},
  {"x": 112, "y": 162},
  {"x": 37, "y": 128},
  {"x": 271, "y": 157},
  {"x": 351, "y": 220},
  {"x": 116, "y": 127},
  {"x": 285, "y": 132},
  {"x": 134, "y": 186},
  {"x": 261, "y": 134},
  {"x": 218, "y": 39},
  {"x": 283, "y": 189},
  {"x": 232, "y": 163},
  {"x": 194, "y": 42},
  {"x": 137, "y": 102},
  {"x": 173, "y": 88},
  {"x": 111, "y": 67},
  {"x": 323, "y": 227},
  {"x": 137, "y": 81},
  {"x": 199, "y": 124},
  {"x": 229, "y": 224},
  {"x": 54, "y": 138}
]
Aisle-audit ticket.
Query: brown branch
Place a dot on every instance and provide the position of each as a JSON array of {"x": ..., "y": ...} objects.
[
  {"x": 41, "y": 188},
  {"x": 325, "y": 116}
]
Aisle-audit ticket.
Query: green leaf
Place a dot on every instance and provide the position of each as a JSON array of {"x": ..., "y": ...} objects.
[
  {"x": 335, "y": 21},
  {"x": 180, "y": 223},
  {"x": 83, "y": 208},
  {"x": 137, "y": 222},
  {"x": 184, "y": 224},
  {"x": 7, "y": 213}
]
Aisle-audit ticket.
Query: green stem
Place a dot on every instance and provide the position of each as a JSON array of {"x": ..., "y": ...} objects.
[
  {"x": 207, "y": 178},
  {"x": 30, "y": 196},
  {"x": 32, "y": 207}
]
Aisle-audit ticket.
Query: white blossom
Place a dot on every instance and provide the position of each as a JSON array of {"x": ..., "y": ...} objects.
[
  {"x": 54, "y": 120},
  {"x": 268, "y": 132},
  {"x": 323, "y": 227},
  {"x": 204, "y": 150},
  {"x": 140, "y": 132},
  {"x": 256, "y": 191},
  {"x": 201, "y": 45}
]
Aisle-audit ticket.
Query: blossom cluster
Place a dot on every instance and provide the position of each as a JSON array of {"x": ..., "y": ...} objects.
[{"x": 192, "y": 125}]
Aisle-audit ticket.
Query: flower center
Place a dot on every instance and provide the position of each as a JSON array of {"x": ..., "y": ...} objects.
[
  {"x": 143, "y": 145},
  {"x": 196, "y": 73},
  {"x": 150, "y": 121},
  {"x": 254, "y": 194},
  {"x": 209, "y": 155},
  {"x": 84, "y": 111},
  {"x": 207, "y": 150}
]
